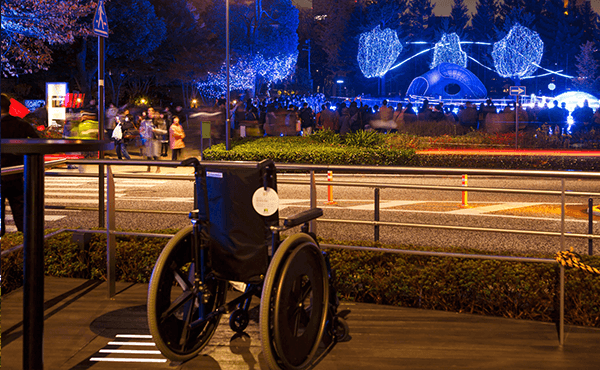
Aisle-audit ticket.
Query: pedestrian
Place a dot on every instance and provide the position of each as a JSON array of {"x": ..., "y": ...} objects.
[
  {"x": 307, "y": 119},
  {"x": 344, "y": 121},
  {"x": 176, "y": 135},
  {"x": 161, "y": 124},
  {"x": 467, "y": 117},
  {"x": 329, "y": 119},
  {"x": 111, "y": 115},
  {"x": 147, "y": 138},
  {"x": 12, "y": 185},
  {"x": 118, "y": 135},
  {"x": 556, "y": 119}
]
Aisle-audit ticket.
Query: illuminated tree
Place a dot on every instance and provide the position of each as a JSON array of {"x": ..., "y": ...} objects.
[
  {"x": 244, "y": 72},
  {"x": 259, "y": 27},
  {"x": 377, "y": 51},
  {"x": 518, "y": 54},
  {"x": 277, "y": 68},
  {"x": 29, "y": 26},
  {"x": 448, "y": 50}
]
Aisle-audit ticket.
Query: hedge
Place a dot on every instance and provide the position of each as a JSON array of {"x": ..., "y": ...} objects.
[
  {"x": 505, "y": 289},
  {"x": 293, "y": 149},
  {"x": 488, "y": 287},
  {"x": 372, "y": 148}
]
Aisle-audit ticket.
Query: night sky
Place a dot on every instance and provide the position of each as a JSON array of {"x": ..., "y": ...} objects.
[{"x": 443, "y": 7}]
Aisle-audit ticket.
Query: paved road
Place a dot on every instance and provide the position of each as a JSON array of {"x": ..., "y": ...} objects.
[{"x": 173, "y": 199}]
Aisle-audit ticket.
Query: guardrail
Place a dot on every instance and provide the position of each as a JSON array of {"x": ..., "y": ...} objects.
[{"x": 312, "y": 169}]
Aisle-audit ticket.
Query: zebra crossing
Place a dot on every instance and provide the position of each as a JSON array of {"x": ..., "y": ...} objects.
[
  {"x": 73, "y": 191},
  {"x": 127, "y": 348},
  {"x": 78, "y": 190}
]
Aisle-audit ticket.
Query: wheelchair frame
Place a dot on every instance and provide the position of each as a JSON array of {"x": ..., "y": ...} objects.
[{"x": 298, "y": 309}]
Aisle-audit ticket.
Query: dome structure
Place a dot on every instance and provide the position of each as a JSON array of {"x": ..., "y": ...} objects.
[
  {"x": 572, "y": 99},
  {"x": 448, "y": 81}
]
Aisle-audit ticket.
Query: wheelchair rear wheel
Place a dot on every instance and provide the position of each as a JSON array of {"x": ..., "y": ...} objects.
[
  {"x": 174, "y": 303},
  {"x": 294, "y": 304}
]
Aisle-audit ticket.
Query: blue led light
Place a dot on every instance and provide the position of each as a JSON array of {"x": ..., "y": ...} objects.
[
  {"x": 519, "y": 53},
  {"x": 377, "y": 51},
  {"x": 448, "y": 50},
  {"x": 243, "y": 73}
]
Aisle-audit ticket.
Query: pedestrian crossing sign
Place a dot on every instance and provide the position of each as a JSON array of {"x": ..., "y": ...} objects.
[{"x": 100, "y": 21}]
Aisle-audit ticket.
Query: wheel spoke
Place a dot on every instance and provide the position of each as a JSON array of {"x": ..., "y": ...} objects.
[
  {"x": 188, "y": 319},
  {"x": 177, "y": 303},
  {"x": 182, "y": 281}
]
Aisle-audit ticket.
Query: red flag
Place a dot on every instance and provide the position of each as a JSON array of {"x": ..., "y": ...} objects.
[{"x": 17, "y": 109}]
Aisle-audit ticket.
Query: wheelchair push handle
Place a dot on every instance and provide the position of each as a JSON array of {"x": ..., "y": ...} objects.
[
  {"x": 192, "y": 162},
  {"x": 262, "y": 165}
]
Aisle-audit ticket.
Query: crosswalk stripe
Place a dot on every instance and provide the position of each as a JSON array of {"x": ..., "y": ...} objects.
[{"x": 382, "y": 205}]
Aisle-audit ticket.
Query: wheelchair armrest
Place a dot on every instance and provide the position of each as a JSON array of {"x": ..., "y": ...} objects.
[{"x": 302, "y": 217}]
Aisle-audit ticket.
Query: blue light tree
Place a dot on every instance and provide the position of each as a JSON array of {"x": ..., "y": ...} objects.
[
  {"x": 276, "y": 68},
  {"x": 518, "y": 54},
  {"x": 243, "y": 73},
  {"x": 448, "y": 50},
  {"x": 377, "y": 51}
]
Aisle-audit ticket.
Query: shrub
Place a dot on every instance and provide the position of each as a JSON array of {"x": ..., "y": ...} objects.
[
  {"x": 64, "y": 258},
  {"x": 506, "y": 289},
  {"x": 364, "y": 139},
  {"x": 326, "y": 136},
  {"x": 306, "y": 150}
]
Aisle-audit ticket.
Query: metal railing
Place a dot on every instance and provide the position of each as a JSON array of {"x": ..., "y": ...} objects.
[{"x": 376, "y": 223}]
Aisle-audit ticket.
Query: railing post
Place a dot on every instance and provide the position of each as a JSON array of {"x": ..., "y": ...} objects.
[
  {"x": 561, "y": 318},
  {"x": 562, "y": 215},
  {"x": 376, "y": 216},
  {"x": 111, "y": 242},
  {"x": 590, "y": 226},
  {"x": 312, "y": 225}
]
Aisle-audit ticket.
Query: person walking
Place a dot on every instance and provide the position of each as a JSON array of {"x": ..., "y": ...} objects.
[
  {"x": 110, "y": 120},
  {"x": 147, "y": 138},
  {"x": 329, "y": 119},
  {"x": 12, "y": 185},
  {"x": 176, "y": 136},
  {"x": 307, "y": 119},
  {"x": 118, "y": 135}
]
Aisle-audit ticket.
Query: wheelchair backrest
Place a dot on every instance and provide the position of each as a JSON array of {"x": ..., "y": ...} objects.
[{"x": 239, "y": 237}]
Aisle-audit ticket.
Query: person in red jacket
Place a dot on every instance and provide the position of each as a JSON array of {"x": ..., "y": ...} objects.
[
  {"x": 12, "y": 185},
  {"x": 176, "y": 136}
]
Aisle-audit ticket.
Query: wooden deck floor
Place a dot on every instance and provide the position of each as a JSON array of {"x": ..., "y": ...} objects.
[{"x": 80, "y": 322}]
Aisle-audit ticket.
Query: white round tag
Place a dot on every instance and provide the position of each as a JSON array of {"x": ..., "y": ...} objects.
[{"x": 265, "y": 202}]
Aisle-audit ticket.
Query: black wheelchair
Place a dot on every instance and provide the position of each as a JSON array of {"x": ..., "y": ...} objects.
[{"x": 235, "y": 236}]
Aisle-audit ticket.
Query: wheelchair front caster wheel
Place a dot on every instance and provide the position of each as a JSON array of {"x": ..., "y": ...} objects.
[
  {"x": 342, "y": 330},
  {"x": 239, "y": 319}
]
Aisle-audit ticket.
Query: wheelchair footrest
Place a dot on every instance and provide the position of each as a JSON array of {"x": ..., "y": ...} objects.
[{"x": 302, "y": 217}]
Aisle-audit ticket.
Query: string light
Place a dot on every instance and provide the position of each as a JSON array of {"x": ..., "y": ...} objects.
[
  {"x": 519, "y": 53},
  {"x": 278, "y": 68},
  {"x": 243, "y": 73},
  {"x": 448, "y": 50},
  {"x": 377, "y": 51}
]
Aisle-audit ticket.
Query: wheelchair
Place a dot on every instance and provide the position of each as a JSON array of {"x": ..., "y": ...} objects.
[{"x": 235, "y": 236}]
